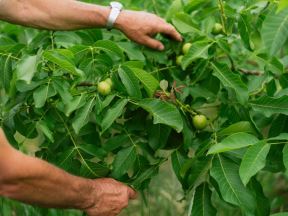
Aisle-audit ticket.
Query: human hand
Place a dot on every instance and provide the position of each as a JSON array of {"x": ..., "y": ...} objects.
[
  {"x": 141, "y": 27},
  {"x": 110, "y": 197}
]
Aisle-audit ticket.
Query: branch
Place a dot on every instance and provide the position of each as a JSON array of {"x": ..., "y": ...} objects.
[
  {"x": 250, "y": 72},
  {"x": 85, "y": 84}
]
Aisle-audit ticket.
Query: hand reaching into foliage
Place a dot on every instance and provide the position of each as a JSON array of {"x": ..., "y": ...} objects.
[
  {"x": 103, "y": 197},
  {"x": 70, "y": 15},
  {"x": 34, "y": 181},
  {"x": 111, "y": 197},
  {"x": 141, "y": 27}
]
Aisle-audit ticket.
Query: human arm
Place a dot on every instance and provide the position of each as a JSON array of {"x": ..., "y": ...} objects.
[
  {"x": 34, "y": 181},
  {"x": 70, "y": 15}
]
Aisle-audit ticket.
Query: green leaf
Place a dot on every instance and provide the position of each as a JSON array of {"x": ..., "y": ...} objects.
[
  {"x": 231, "y": 80},
  {"x": 282, "y": 5},
  {"x": 198, "y": 171},
  {"x": 184, "y": 24},
  {"x": 263, "y": 203},
  {"x": 42, "y": 93},
  {"x": 242, "y": 126},
  {"x": 64, "y": 59},
  {"x": 130, "y": 82},
  {"x": 6, "y": 72},
  {"x": 82, "y": 116},
  {"x": 124, "y": 161},
  {"x": 232, "y": 189},
  {"x": 147, "y": 174},
  {"x": 235, "y": 141},
  {"x": 101, "y": 105},
  {"x": 150, "y": 83},
  {"x": 269, "y": 105},
  {"x": 26, "y": 68},
  {"x": 198, "y": 50},
  {"x": 132, "y": 51},
  {"x": 116, "y": 142},
  {"x": 202, "y": 205},
  {"x": 91, "y": 170},
  {"x": 275, "y": 66},
  {"x": 163, "y": 113},
  {"x": 280, "y": 214},
  {"x": 134, "y": 64},
  {"x": 42, "y": 126},
  {"x": 253, "y": 161},
  {"x": 76, "y": 103},
  {"x": 275, "y": 31},
  {"x": 174, "y": 8},
  {"x": 93, "y": 150},
  {"x": 177, "y": 160},
  {"x": 285, "y": 157},
  {"x": 22, "y": 86},
  {"x": 280, "y": 137},
  {"x": 62, "y": 87},
  {"x": 112, "y": 114},
  {"x": 194, "y": 5},
  {"x": 110, "y": 47},
  {"x": 65, "y": 158},
  {"x": 66, "y": 39},
  {"x": 244, "y": 30},
  {"x": 158, "y": 136}
]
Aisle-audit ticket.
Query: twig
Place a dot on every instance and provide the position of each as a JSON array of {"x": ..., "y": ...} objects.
[
  {"x": 9, "y": 55},
  {"x": 223, "y": 16},
  {"x": 250, "y": 72},
  {"x": 162, "y": 69},
  {"x": 85, "y": 84}
]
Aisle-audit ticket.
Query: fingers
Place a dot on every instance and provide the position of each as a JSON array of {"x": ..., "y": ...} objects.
[
  {"x": 132, "y": 193},
  {"x": 163, "y": 28},
  {"x": 170, "y": 31},
  {"x": 153, "y": 43}
]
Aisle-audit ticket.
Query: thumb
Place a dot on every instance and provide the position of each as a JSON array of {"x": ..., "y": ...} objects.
[{"x": 132, "y": 193}]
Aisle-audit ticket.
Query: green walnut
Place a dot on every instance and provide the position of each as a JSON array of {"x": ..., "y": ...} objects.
[
  {"x": 179, "y": 59},
  {"x": 186, "y": 47},
  {"x": 104, "y": 88},
  {"x": 217, "y": 29},
  {"x": 200, "y": 122}
]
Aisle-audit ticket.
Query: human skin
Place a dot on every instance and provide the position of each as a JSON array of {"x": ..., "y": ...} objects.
[
  {"x": 35, "y": 181},
  {"x": 70, "y": 15}
]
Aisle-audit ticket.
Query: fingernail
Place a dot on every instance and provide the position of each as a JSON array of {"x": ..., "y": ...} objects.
[{"x": 161, "y": 47}]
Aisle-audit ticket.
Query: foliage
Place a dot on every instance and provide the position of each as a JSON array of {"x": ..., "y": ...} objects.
[{"x": 237, "y": 79}]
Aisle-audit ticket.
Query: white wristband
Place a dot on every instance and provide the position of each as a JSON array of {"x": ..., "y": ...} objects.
[{"x": 116, "y": 8}]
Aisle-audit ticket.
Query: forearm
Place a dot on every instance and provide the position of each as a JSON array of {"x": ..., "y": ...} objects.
[
  {"x": 54, "y": 14},
  {"x": 34, "y": 181},
  {"x": 70, "y": 15}
]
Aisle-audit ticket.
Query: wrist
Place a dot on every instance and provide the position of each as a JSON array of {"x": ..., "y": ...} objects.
[
  {"x": 86, "y": 197},
  {"x": 121, "y": 20},
  {"x": 116, "y": 8}
]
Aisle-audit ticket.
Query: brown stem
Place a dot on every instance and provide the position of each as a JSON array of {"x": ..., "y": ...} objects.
[
  {"x": 85, "y": 84},
  {"x": 250, "y": 72}
]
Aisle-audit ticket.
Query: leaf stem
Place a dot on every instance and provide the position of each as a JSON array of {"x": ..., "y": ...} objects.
[
  {"x": 9, "y": 55},
  {"x": 162, "y": 69},
  {"x": 155, "y": 7},
  {"x": 75, "y": 145},
  {"x": 186, "y": 107},
  {"x": 52, "y": 40},
  {"x": 223, "y": 16}
]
